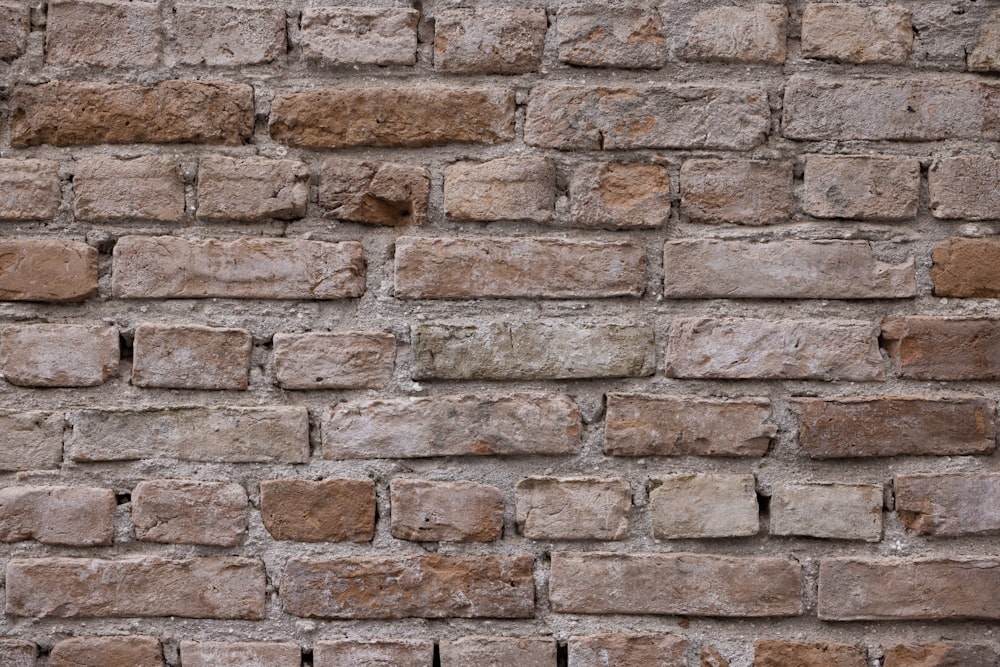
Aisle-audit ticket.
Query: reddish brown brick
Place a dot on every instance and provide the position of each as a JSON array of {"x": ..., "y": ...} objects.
[
  {"x": 427, "y": 511},
  {"x": 780, "y": 653},
  {"x": 410, "y": 652},
  {"x": 229, "y": 35},
  {"x": 15, "y": 25},
  {"x": 627, "y": 649},
  {"x": 592, "y": 36},
  {"x": 68, "y": 515},
  {"x": 103, "y": 33},
  {"x": 486, "y": 40},
  {"x": 515, "y": 188},
  {"x": 190, "y": 357},
  {"x": 617, "y": 195},
  {"x": 251, "y": 189},
  {"x": 520, "y": 651},
  {"x": 180, "y": 511},
  {"x": 754, "y": 34},
  {"x": 360, "y": 36},
  {"x": 59, "y": 355},
  {"x": 697, "y": 505},
  {"x": 29, "y": 189},
  {"x": 47, "y": 270},
  {"x": 743, "y": 192},
  {"x": 932, "y": 348},
  {"x": 30, "y": 440},
  {"x": 18, "y": 653},
  {"x": 380, "y": 193},
  {"x": 109, "y": 189},
  {"x": 965, "y": 187},
  {"x": 940, "y": 654},
  {"x": 861, "y": 187},
  {"x": 116, "y": 651},
  {"x": 334, "y": 360},
  {"x": 967, "y": 268},
  {"x": 582, "y": 508},
  {"x": 949, "y": 505},
  {"x": 332, "y": 510},
  {"x": 854, "y": 34},
  {"x": 240, "y": 654}
]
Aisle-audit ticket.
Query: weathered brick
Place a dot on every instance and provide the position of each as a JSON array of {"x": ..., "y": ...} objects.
[
  {"x": 47, "y": 270},
  {"x": 949, "y": 505},
  {"x": 682, "y": 116},
  {"x": 617, "y": 195},
  {"x": 854, "y": 34},
  {"x": 111, "y": 651},
  {"x": 490, "y": 586},
  {"x": 427, "y": 511},
  {"x": 30, "y": 440},
  {"x": 106, "y": 34},
  {"x": 181, "y": 511},
  {"x": 967, "y": 268},
  {"x": 593, "y": 36},
  {"x": 360, "y": 36},
  {"x": 940, "y": 654},
  {"x": 29, "y": 189},
  {"x": 536, "y": 350},
  {"x": 626, "y": 649},
  {"x": 675, "y": 584},
  {"x": 109, "y": 189},
  {"x": 232, "y": 434},
  {"x": 861, "y": 187},
  {"x": 515, "y": 188},
  {"x": 765, "y": 349},
  {"x": 171, "y": 112},
  {"x": 582, "y": 508},
  {"x": 744, "y": 192},
  {"x": 932, "y": 348},
  {"x": 15, "y": 24},
  {"x": 59, "y": 355},
  {"x": 225, "y": 35},
  {"x": 711, "y": 657},
  {"x": 694, "y": 505},
  {"x": 146, "y": 586},
  {"x": 190, "y": 357},
  {"x": 399, "y": 117},
  {"x": 240, "y": 654},
  {"x": 965, "y": 187},
  {"x": 708, "y": 268},
  {"x": 251, "y": 189},
  {"x": 416, "y": 427},
  {"x": 331, "y": 510},
  {"x": 379, "y": 193},
  {"x": 462, "y": 268},
  {"x": 249, "y": 268},
  {"x": 520, "y": 651},
  {"x": 18, "y": 653},
  {"x": 489, "y": 41},
  {"x": 753, "y": 35},
  {"x": 410, "y": 652},
  {"x": 334, "y": 360},
  {"x": 68, "y": 515},
  {"x": 782, "y": 653},
  {"x": 837, "y": 511},
  {"x": 985, "y": 55}
]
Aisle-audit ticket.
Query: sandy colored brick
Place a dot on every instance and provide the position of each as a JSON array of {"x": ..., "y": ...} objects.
[
  {"x": 619, "y": 195},
  {"x": 985, "y": 55},
  {"x": 489, "y": 40},
  {"x": 782, "y": 653},
  {"x": 18, "y": 653},
  {"x": 949, "y": 505},
  {"x": 520, "y": 651},
  {"x": 65, "y": 515},
  {"x": 110, "y": 189},
  {"x": 967, "y": 268},
  {"x": 183, "y": 511},
  {"x": 430, "y": 511},
  {"x": 940, "y": 654},
  {"x": 334, "y": 360},
  {"x": 861, "y": 187},
  {"x": 377, "y": 193},
  {"x": 659, "y": 650},
  {"x": 59, "y": 355},
  {"x": 229, "y": 35},
  {"x": 47, "y": 270},
  {"x": 965, "y": 187},
  {"x": 514, "y": 188},
  {"x": 185, "y": 356},
  {"x": 582, "y": 508},
  {"x": 753, "y": 35},
  {"x": 30, "y": 440},
  {"x": 594, "y": 36},
  {"x": 331, "y": 510},
  {"x": 743, "y": 192},
  {"x": 854, "y": 34},
  {"x": 379, "y": 653},
  {"x": 933, "y": 348},
  {"x": 109, "y": 651},
  {"x": 29, "y": 189},
  {"x": 696, "y": 505},
  {"x": 240, "y": 654},
  {"x": 836, "y": 511},
  {"x": 104, "y": 34},
  {"x": 251, "y": 189},
  {"x": 15, "y": 24},
  {"x": 360, "y": 36}
]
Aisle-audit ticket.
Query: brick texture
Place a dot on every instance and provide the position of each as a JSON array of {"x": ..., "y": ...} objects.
[
  {"x": 35, "y": 355},
  {"x": 47, "y": 270},
  {"x": 189, "y": 512},
  {"x": 67, "y": 515},
  {"x": 190, "y": 357},
  {"x": 114, "y": 190},
  {"x": 30, "y": 189},
  {"x": 331, "y": 510},
  {"x": 573, "y": 508},
  {"x": 132, "y": 651},
  {"x": 425, "y": 511}
]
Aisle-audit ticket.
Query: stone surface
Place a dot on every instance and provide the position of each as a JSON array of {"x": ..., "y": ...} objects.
[
  {"x": 190, "y": 357},
  {"x": 781, "y": 653},
  {"x": 861, "y": 187},
  {"x": 428, "y": 511},
  {"x": 711, "y": 657},
  {"x": 47, "y": 270},
  {"x": 29, "y": 189},
  {"x": 618, "y": 195},
  {"x": 489, "y": 41},
  {"x": 251, "y": 189},
  {"x": 985, "y": 55},
  {"x": 240, "y": 654},
  {"x": 498, "y": 651},
  {"x": 836, "y": 511},
  {"x": 743, "y": 192},
  {"x": 380, "y": 653},
  {"x": 949, "y": 505},
  {"x": 104, "y": 34},
  {"x": 940, "y": 654},
  {"x": 331, "y": 510},
  {"x": 931, "y": 348},
  {"x": 630, "y": 37},
  {"x": 30, "y": 440},
  {"x": 754, "y": 34},
  {"x": 15, "y": 24},
  {"x": 146, "y": 188},
  {"x": 965, "y": 187},
  {"x": 660, "y": 650},
  {"x": 18, "y": 653},
  {"x": 377, "y": 193},
  {"x": 110, "y": 651},
  {"x": 65, "y": 515},
  {"x": 695, "y": 505},
  {"x": 967, "y": 268},
  {"x": 361, "y": 35},
  {"x": 581, "y": 508},
  {"x": 59, "y": 355},
  {"x": 226, "y": 35},
  {"x": 334, "y": 360},
  {"x": 854, "y": 34},
  {"x": 515, "y": 188},
  {"x": 182, "y": 511}
]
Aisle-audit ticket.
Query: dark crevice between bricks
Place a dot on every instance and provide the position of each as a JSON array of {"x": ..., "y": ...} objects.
[
  {"x": 123, "y": 498},
  {"x": 307, "y": 657},
  {"x": 562, "y": 654},
  {"x": 125, "y": 346},
  {"x": 436, "y": 659},
  {"x": 764, "y": 513}
]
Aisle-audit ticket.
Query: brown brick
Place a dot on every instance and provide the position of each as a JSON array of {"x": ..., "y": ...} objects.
[
  {"x": 66, "y": 515},
  {"x": 248, "y": 268},
  {"x": 985, "y": 55},
  {"x": 780, "y": 653},
  {"x": 240, "y": 654},
  {"x": 967, "y": 268},
  {"x": 751, "y": 35},
  {"x": 171, "y": 112},
  {"x": 415, "y": 427},
  {"x": 519, "y": 651},
  {"x": 965, "y": 187},
  {"x": 490, "y": 586},
  {"x": 707, "y": 268},
  {"x": 949, "y": 505},
  {"x": 785, "y": 349},
  {"x": 15, "y": 24},
  {"x": 836, "y": 511},
  {"x": 593, "y": 36},
  {"x": 29, "y": 189},
  {"x": 397, "y": 117},
  {"x": 617, "y": 195},
  {"x": 229, "y": 35},
  {"x": 360, "y": 36},
  {"x": 932, "y": 348},
  {"x": 378, "y": 193},
  {"x": 191, "y": 357},
  {"x": 109, "y": 189},
  {"x": 515, "y": 188},
  {"x": 489, "y": 41},
  {"x": 251, "y": 189},
  {"x": 47, "y": 270},
  {"x": 861, "y": 187},
  {"x": 30, "y": 440},
  {"x": 105, "y": 34},
  {"x": 117, "y": 651},
  {"x": 181, "y": 511},
  {"x": 854, "y": 34},
  {"x": 743, "y": 192},
  {"x": 426, "y": 511},
  {"x": 59, "y": 355},
  {"x": 582, "y": 508},
  {"x": 463, "y": 268},
  {"x": 711, "y": 657},
  {"x": 380, "y": 653},
  {"x": 626, "y": 649},
  {"x": 674, "y": 584},
  {"x": 328, "y": 360},
  {"x": 693, "y": 505},
  {"x": 682, "y": 116},
  {"x": 648, "y": 425},
  {"x": 940, "y": 654},
  {"x": 18, "y": 653},
  {"x": 146, "y": 586},
  {"x": 331, "y": 510}
]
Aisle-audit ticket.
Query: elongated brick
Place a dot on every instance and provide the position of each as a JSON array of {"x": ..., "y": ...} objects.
[
  {"x": 661, "y": 650},
  {"x": 630, "y": 37},
  {"x": 515, "y": 188},
  {"x": 949, "y": 505},
  {"x": 30, "y": 440},
  {"x": 360, "y": 36},
  {"x": 489, "y": 40},
  {"x": 429, "y": 511},
  {"x": 69, "y": 515},
  {"x": 190, "y": 357},
  {"x": 854, "y": 34},
  {"x": 965, "y": 187},
  {"x": 861, "y": 187},
  {"x": 47, "y": 270},
  {"x": 699, "y": 505},
  {"x": 29, "y": 189},
  {"x": 334, "y": 360},
  {"x": 967, "y": 268},
  {"x": 743, "y": 192},
  {"x": 411, "y": 652},
  {"x": 578, "y": 508},
  {"x": 240, "y": 654},
  {"x": 330, "y": 510},
  {"x": 182, "y": 511},
  {"x": 251, "y": 189},
  {"x": 102, "y": 33},
  {"x": 836, "y": 511},
  {"x": 754, "y": 34},
  {"x": 108, "y": 189},
  {"x": 59, "y": 355},
  {"x": 520, "y": 651},
  {"x": 110, "y": 651},
  {"x": 225, "y": 35},
  {"x": 932, "y": 348}
]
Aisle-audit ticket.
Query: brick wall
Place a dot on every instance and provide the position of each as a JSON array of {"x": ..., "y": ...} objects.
[{"x": 529, "y": 333}]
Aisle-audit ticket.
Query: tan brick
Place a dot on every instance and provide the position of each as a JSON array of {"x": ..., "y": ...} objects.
[
  {"x": 940, "y": 654},
  {"x": 328, "y": 360},
  {"x": 515, "y": 424},
  {"x": 861, "y": 187},
  {"x": 617, "y": 195},
  {"x": 105, "y": 34},
  {"x": 674, "y": 584},
  {"x": 109, "y": 189},
  {"x": 967, "y": 268},
  {"x": 66, "y": 515},
  {"x": 250, "y": 268},
  {"x": 707, "y": 268},
  {"x": 59, "y": 355},
  {"x": 489, "y": 586},
  {"x": 426, "y": 511},
  {"x": 743, "y": 192},
  {"x": 171, "y": 112},
  {"x": 593, "y": 36},
  {"x": 15, "y": 24},
  {"x": 380, "y": 653},
  {"x": 30, "y": 440},
  {"x": 47, "y": 270},
  {"x": 694, "y": 505},
  {"x": 489, "y": 41},
  {"x": 142, "y": 586},
  {"x": 627, "y": 649},
  {"x": 780, "y": 653},
  {"x": 240, "y": 654},
  {"x": 190, "y": 357},
  {"x": 399, "y": 117},
  {"x": 965, "y": 187},
  {"x": 949, "y": 505},
  {"x": 117, "y": 651},
  {"x": 519, "y": 651},
  {"x": 18, "y": 653},
  {"x": 378, "y": 193},
  {"x": 514, "y": 188},
  {"x": 331, "y": 510},
  {"x": 985, "y": 55},
  {"x": 854, "y": 34},
  {"x": 360, "y": 36},
  {"x": 251, "y": 189},
  {"x": 753, "y": 35},
  {"x": 181, "y": 511},
  {"x": 220, "y": 35},
  {"x": 582, "y": 508},
  {"x": 29, "y": 189},
  {"x": 932, "y": 348},
  {"x": 837, "y": 511}
]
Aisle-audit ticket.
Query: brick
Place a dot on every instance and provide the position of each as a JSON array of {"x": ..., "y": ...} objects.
[
  {"x": 411, "y": 652},
  {"x": 536, "y": 350},
  {"x": 481, "y": 425},
  {"x": 327, "y": 360},
  {"x": 764, "y": 349},
  {"x": 931, "y": 348},
  {"x": 836, "y": 511},
  {"x": 893, "y": 589},
  {"x": 223, "y": 434},
  {"x": 515, "y": 188},
  {"x": 618, "y": 195},
  {"x": 146, "y": 586},
  {"x": 854, "y": 34},
  {"x": 146, "y": 267},
  {"x": 694, "y": 505},
  {"x": 711, "y": 657},
  {"x": 18, "y": 653},
  {"x": 251, "y": 189},
  {"x": 393, "y": 117},
  {"x": 59, "y": 355},
  {"x": 742, "y": 192},
  {"x": 629, "y": 37},
  {"x": 489, "y": 41},
  {"x": 360, "y": 36},
  {"x": 520, "y": 651},
  {"x": 171, "y": 112},
  {"x": 464, "y": 268},
  {"x": 30, "y": 440},
  {"x": 109, "y": 189},
  {"x": 118, "y": 651},
  {"x": 967, "y": 268},
  {"x": 965, "y": 187},
  {"x": 105, "y": 34},
  {"x": 489, "y": 586},
  {"x": 15, "y": 24},
  {"x": 626, "y": 649},
  {"x": 880, "y": 109},
  {"x": 674, "y": 584},
  {"x": 678, "y": 116},
  {"x": 750, "y": 35},
  {"x": 780, "y": 653},
  {"x": 220, "y": 35},
  {"x": 331, "y": 510},
  {"x": 940, "y": 654},
  {"x": 428, "y": 511},
  {"x": 985, "y": 55},
  {"x": 861, "y": 187},
  {"x": 377, "y": 193},
  {"x": 582, "y": 508},
  {"x": 240, "y": 654},
  {"x": 64, "y": 515},
  {"x": 29, "y": 189},
  {"x": 182, "y": 511},
  {"x": 190, "y": 357},
  {"x": 949, "y": 505},
  {"x": 47, "y": 270},
  {"x": 708, "y": 268}
]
